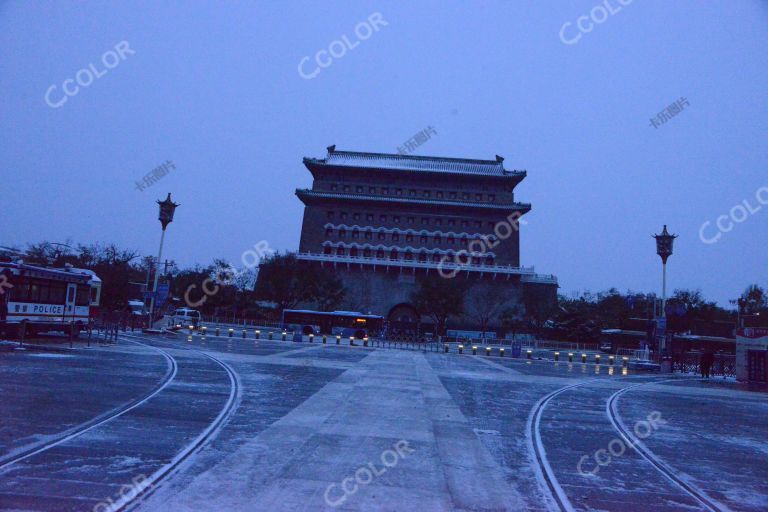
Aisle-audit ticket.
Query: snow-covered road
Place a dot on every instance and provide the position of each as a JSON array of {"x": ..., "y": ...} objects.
[{"x": 271, "y": 425}]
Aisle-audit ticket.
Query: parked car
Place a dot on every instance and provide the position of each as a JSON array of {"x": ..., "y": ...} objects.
[{"x": 184, "y": 317}]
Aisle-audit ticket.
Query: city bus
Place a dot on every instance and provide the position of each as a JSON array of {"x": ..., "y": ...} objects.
[
  {"x": 346, "y": 323},
  {"x": 40, "y": 299}
]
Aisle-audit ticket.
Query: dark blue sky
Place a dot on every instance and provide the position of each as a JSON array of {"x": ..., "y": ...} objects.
[{"x": 214, "y": 87}]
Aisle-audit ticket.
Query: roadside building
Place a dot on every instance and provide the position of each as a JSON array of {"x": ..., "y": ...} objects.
[{"x": 752, "y": 354}]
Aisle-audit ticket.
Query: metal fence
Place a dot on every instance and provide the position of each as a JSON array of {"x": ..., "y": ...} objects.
[{"x": 724, "y": 365}]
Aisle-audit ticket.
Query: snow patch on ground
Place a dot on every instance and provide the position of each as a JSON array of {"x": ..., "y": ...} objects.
[{"x": 479, "y": 431}]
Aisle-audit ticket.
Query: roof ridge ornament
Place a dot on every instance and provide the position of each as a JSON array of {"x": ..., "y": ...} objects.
[
  {"x": 331, "y": 149},
  {"x": 499, "y": 159}
]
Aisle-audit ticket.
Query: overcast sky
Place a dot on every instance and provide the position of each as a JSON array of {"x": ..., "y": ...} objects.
[{"x": 215, "y": 88}]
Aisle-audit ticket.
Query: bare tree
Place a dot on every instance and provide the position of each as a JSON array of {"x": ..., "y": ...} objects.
[{"x": 484, "y": 305}]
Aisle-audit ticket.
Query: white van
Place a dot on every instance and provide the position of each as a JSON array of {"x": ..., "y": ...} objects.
[{"x": 185, "y": 317}]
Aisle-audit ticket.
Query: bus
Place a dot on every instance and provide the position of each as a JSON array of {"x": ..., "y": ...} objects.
[
  {"x": 38, "y": 299},
  {"x": 345, "y": 323}
]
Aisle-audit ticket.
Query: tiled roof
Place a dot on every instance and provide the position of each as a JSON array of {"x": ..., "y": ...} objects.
[
  {"x": 307, "y": 193},
  {"x": 414, "y": 163}
]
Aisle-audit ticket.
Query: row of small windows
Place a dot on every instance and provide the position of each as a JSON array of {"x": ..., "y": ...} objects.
[
  {"x": 395, "y": 254},
  {"x": 411, "y": 220},
  {"x": 439, "y": 194},
  {"x": 356, "y": 234}
]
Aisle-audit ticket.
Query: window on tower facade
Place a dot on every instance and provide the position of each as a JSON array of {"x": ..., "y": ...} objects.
[
  {"x": 346, "y": 188},
  {"x": 359, "y": 190},
  {"x": 334, "y": 187},
  {"x": 371, "y": 190},
  {"x": 344, "y": 215},
  {"x": 369, "y": 217}
]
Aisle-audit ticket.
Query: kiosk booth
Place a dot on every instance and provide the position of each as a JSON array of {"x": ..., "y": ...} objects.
[{"x": 752, "y": 354}]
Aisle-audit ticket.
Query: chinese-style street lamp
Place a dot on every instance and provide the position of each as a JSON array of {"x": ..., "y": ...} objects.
[
  {"x": 664, "y": 243},
  {"x": 167, "y": 208}
]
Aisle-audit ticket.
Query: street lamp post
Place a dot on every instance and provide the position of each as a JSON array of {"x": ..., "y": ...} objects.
[
  {"x": 167, "y": 208},
  {"x": 664, "y": 242}
]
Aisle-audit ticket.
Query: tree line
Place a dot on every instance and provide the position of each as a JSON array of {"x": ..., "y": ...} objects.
[{"x": 283, "y": 282}]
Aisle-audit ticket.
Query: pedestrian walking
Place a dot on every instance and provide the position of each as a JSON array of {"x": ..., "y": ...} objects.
[{"x": 705, "y": 362}]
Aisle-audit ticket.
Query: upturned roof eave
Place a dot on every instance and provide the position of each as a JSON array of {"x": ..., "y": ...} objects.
[
  {"x": 315, "y": 165},
  {"x": 304, "y": 194}
]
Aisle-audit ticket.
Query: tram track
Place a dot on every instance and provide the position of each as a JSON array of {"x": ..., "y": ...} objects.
[
  {"x": 546, "y": 476},
  {"x": 72, "y": 433},
  {"x": 548, "y": 481},
  {"x": 639, "y": 447},
  {"x": 151, "y": 484}
]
